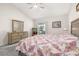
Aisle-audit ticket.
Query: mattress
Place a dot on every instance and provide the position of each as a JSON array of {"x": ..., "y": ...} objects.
[{"x": 47, "y": 45}]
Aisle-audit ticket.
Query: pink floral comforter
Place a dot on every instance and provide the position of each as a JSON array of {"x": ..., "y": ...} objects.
[{"x": 47, "y": 45}]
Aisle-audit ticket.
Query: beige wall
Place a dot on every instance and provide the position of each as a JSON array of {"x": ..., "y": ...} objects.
[
  {"x": 7, "y": 13},
  {"x": 48, "y": 21}
]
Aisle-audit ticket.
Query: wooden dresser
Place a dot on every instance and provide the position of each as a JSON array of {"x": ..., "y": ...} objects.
[{"x": 14, "y": 37}]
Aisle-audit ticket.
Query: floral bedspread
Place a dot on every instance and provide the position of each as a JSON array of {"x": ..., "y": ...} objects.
[{"x": 47, "y": 45}]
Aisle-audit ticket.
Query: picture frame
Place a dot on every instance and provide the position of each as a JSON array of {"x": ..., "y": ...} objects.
[
  {"x": 17, "y": 26},
  {"x": 56, "y": 24},
  {"x": 77, "y": 7}
]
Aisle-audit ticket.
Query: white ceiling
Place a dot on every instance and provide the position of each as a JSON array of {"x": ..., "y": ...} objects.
[{"x": 51, "y": 9}]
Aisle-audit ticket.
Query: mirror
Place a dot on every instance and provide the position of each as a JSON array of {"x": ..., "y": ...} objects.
[{"x": 17, "y": 26}]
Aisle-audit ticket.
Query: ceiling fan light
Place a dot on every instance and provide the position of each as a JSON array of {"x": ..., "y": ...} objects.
[{"x": 35, "y": 6}]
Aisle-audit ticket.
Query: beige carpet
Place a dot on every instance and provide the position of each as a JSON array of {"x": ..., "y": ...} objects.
[{"x": 8, "y": 50}]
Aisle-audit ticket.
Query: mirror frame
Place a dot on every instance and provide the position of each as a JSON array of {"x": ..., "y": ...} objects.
[{"x": 21, "y": 26}]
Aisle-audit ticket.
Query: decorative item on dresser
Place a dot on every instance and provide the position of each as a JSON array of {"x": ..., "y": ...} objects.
[
  {"x": 14, "y": 37},
  {"x": 34, "y": 31}
]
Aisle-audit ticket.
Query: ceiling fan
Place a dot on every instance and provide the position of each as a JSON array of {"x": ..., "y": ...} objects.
[{"x": 36, "y": 5}]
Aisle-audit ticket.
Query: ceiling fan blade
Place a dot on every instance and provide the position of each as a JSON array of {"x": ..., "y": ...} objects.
[{"x": 31, "y": 5}]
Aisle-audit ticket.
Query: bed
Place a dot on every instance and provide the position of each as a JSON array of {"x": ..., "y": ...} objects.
[
  {"x": 51, "y": 45},
  {"x": 47, "y": 45}
]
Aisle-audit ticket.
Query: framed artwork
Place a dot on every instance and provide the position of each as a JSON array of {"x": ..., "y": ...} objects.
[
  {"x": 17, "y": 26},
  {"x": 56, "y": 24},
  {"x": 77, "y": 7}
]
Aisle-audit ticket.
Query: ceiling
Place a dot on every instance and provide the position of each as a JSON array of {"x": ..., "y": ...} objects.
[{"x": 50, "y": 9}]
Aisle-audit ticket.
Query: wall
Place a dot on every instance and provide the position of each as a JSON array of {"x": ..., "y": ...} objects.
[
  {"x": 73, "y": 15},
  {"x": 8, "y": 13},
  {"x": 48, "y": 20}
]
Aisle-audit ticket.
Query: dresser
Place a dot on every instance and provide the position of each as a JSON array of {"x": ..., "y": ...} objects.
[{"x": 14, "y": 37}]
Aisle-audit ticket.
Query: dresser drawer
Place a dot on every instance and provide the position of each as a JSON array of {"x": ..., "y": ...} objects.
[
  {"x": 15, "y": 40},
  {"x": 16, "y": 36}
]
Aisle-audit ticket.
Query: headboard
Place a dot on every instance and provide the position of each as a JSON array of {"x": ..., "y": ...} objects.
[{"x": 75, "y": 27}]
